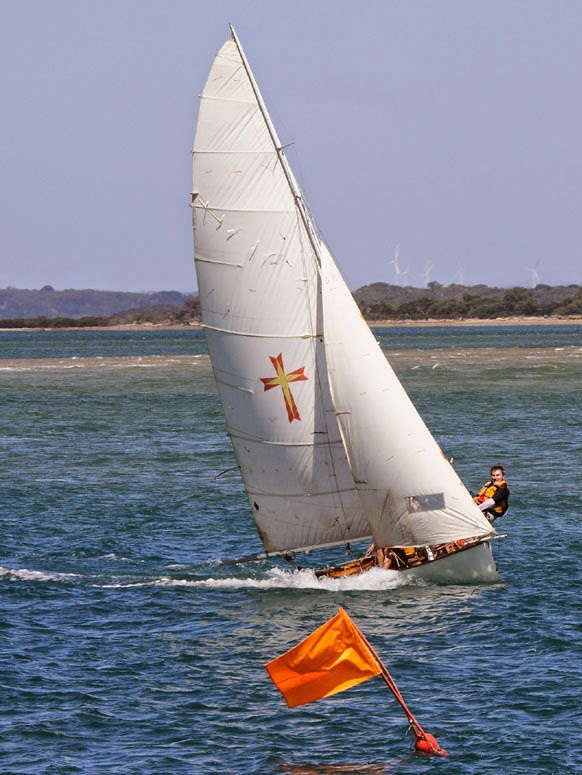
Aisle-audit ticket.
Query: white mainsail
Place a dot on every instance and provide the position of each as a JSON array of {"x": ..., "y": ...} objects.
[
  {"x": 260, "y": 299},
  {"x": 329, "y": 445}
]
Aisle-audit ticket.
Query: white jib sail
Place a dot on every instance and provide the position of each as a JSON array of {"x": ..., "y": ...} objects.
[
  {"x": 411, "y": 493},
  {"x": 260, "y": 297}
]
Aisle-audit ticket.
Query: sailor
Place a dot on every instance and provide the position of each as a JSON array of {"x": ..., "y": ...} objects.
[
  {"x": 493, "y": 497},
  {"x": 385, "y": 557}
]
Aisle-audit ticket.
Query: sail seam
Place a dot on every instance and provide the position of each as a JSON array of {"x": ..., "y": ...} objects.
[
  {"x": 296, "y": 495},
  {"x": 245, "y": 210},
  {"x": 235, "y": 151},
  {"x": 259, "y": 336},
  {"x": 296, "y": 445},
  {"x": 228, "y": 99}
]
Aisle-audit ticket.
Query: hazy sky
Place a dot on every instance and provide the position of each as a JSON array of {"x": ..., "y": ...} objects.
[{"x": 451, "y": 128}]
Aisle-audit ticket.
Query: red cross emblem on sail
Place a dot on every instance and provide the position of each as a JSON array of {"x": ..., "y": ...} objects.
[{"x": 283, "y": 381}]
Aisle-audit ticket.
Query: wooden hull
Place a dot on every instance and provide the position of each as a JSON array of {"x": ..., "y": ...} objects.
[
  {"x": 352, "y": 568},
  {"x": 471, "y": 565}
]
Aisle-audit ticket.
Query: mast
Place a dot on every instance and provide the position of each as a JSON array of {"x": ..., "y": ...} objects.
[{"x": 308, "y": 222}]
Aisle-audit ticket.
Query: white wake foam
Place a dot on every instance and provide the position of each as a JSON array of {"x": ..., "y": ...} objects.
[
  {"x": 373, "y": 580},
  {"x": 23, "y": 574}
]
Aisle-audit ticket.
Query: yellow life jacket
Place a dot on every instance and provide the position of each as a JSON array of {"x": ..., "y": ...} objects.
[{"x": 488, "y": 491}]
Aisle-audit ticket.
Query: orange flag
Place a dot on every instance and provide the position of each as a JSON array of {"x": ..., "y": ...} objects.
[{"x": 331, "y": 659}]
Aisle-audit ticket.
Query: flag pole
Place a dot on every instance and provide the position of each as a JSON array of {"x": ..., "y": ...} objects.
[{"x": 425, "y": 742}]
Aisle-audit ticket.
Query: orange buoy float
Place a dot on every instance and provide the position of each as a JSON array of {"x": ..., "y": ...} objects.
[{"x": 428, "y": 745}]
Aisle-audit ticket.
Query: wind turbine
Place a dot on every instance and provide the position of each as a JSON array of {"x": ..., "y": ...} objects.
[
  {"x": 400, "y": 275},
  {"x": 427, "y": 269},
  {"x": 535, "y": 278},
  {"x": 396, "y": 264},
  {"x": 460, "y": 276}
]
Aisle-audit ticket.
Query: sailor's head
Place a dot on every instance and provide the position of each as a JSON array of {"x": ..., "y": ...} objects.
[{"x": 497, "y": 472}]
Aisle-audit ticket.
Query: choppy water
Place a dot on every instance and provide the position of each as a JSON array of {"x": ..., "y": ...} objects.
[{"x": 126, "y": 648}]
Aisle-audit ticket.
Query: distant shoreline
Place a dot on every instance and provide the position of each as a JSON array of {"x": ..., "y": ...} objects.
[
  {"x": 514, "y": 321},
  {"x": 430, "y": 323}
]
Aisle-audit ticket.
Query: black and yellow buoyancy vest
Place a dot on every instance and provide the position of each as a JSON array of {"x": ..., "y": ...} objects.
[{"x": 488, "y": 491}]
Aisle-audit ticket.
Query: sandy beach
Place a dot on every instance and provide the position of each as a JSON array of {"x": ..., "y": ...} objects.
[{"x": 514, "y": 321}]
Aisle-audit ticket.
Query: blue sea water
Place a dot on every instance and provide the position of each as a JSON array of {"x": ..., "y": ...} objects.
[{"x": 126, "y": 648}]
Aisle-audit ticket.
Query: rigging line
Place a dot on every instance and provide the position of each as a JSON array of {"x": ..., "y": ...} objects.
[
  {"x": 324, "y": 397},
  {"x": 226, "y": 471}
]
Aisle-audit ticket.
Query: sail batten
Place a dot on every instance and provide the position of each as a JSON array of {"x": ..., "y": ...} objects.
[{"x": 218, "y": 263}]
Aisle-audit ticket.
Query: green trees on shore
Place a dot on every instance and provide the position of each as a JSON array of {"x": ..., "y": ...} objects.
[
  {"x": 379, "y": 301},
  {"x": 512, "y": 302}
]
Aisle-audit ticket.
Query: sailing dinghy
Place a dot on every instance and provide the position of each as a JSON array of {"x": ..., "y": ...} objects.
[{"x": 330, "y": 448}]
